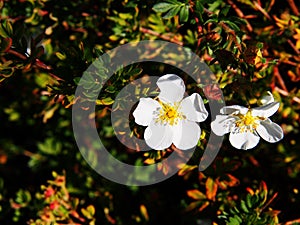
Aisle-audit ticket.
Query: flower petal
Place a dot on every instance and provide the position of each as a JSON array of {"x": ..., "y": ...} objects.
[
  {"x": 244, "y": 140},
  {"x": 222, "y": 124},
  {"x": 143, "y": 114},
  {"x": 193, "y": 108},
  {"x": 186, "y": 135},
  {"x": 266, "y": 110},
  {"x": 270, "y": 131},
  {"x": 266, "y": 99},
  {"x": 171, "y": 88},
  {"x": 234, "y": 109},
  {"x": 158, "y": 136}
]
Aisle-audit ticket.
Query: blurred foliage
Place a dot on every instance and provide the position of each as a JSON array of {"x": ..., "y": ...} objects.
[{"x": 46, "y": 46}]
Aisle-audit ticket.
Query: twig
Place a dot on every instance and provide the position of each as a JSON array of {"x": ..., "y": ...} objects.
[
  {"x": 269, "y": 202},
  {"x": 162, "y": 36},
  {"x": 293, "y": 7},
  {"x": 280, "y": 80},
  {"x": 285, "y": 93},
  {"x": 270, "y": 5},
  {"x": 37, "y": 63},
  {"x": 262, "y": 10},
  {"x": 199, "y": 27},
  {"x": 15, "y": 53},
  {"x": 291, "y": 222},
  {"x": 231, "y": 32},
  {"x": 240, "y": 14},
  {"x": 293, "y": 46}
]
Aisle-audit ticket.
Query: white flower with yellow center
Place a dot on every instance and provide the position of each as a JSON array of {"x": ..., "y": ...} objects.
[
  {"x": 171, "y": 119},
  {"x": 246, "y": 126}
]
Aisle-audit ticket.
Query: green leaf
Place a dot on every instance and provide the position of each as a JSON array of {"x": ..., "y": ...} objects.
[
  {"x": 6, "y": 29},
  {"x": 172, "y": 12},
  {"x": 234, "y": 221},
  {"x": 50, "y": 147},
  {"x": 232, "y": 25},
  {"x": 105, "y": 101},
  {"x": 184, "y": 13},
  {"x": 224, "y": 11},
  {"x": 163, "y": 7},
  {"x": 199, "y": 7},
  {"x": 244, "y": 207}
]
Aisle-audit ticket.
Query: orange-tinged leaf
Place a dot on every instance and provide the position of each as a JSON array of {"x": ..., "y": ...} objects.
[
  {"x": 205, "y": 204},
  {"x": 185, "y": 169},
  {"x": 196, "y": 194},
  {"x": 193, "y": 205},
  {"x": 250, "y": 190},
  {"x": 144, "y": 212},
  {"x": 149, "y": 161},
  {"x": 233, "y": 181},
  {"x": 211, "y": 188}
]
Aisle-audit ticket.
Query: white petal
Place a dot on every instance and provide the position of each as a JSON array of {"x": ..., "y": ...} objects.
[
  {"x": 266, "y": 99},
  {"x": 186, "y": 135},
  {"x": 158, "y": 136},
  {"x": 234, "y": 109},
  {"x": 171, "y": 87},
  {"x": 270, "y": 131},
  {"x": 143, "y": 114},
  {"x": 222, "y": 124},
  {"x": 266, "y": 110},
  {"x": 245, "y": 140},
  {"x": 193, "y": 108}
]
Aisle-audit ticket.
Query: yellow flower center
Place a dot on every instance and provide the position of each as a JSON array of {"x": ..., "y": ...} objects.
[
  {"x": 247, "y": 122},
  {"x": 169, "y": 114}
]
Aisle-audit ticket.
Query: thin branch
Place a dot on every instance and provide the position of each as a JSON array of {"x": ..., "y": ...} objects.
[
  {"x": 279, "y": 78},
  {"x": 287, "y": 94},
  {"x": 269, "y": 202},
  {"x": 240, "y": 14},
  {"x": 15, "y": 53},
  {"x": 199, "y": 27},
  {"x": 37, "y": 63},
  {"x": 293, "y": 7},
  {"x": 291, "y": 222},
  {"x": 162, "y": 36},
  {"x": 231, "y": 32},
  {"x": 259, "y": 8},
  {"x": 293, "y": 46}
]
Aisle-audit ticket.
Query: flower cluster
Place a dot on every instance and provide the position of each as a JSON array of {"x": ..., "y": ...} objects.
[{"x": 173, "y": 119}]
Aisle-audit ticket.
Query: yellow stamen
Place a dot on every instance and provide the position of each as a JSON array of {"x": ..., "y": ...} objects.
[
  {"x": 169, "y": 114},
  {"x": 247, "y": 122}
]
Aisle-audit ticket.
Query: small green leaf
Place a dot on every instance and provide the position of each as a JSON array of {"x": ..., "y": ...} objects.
[
  {"x": 6, "y": 29},
  {"x": 244, "y": 207},
  {"x": 184, "y": 13},
  {"x": 224, "y": 11},
  {"x": 162, "y": 7},
  {"x": 105, "y": 101},
  {"x": 172, "y": 12},
  {"x": 61, "y": 56},
  {"x": 233, "y": 221},
  {"x": 232, "y": 25},
  {"x": 199, "y": 7}
]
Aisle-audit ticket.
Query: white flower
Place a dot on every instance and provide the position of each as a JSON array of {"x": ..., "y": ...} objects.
[
  {"x": 246, "y": 125},
  {"x": 171, "y": 119},
  {"x": 266, "y": 99}
]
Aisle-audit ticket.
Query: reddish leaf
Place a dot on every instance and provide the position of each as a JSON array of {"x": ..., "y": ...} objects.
[
  {"x": 211, "y": 188},
  {"x": 228, "y": 181},
  {"x": 196, "y": 194}
]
